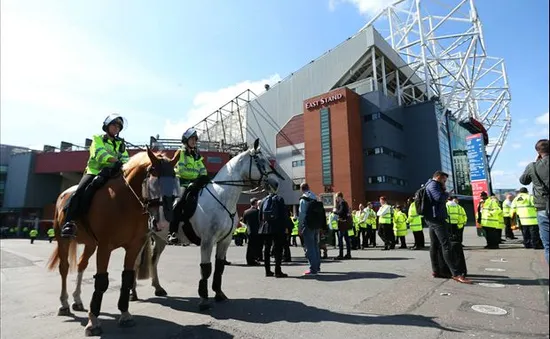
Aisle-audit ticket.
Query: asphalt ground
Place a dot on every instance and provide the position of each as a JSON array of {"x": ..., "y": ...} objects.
[{"x": 377, "y": 294}]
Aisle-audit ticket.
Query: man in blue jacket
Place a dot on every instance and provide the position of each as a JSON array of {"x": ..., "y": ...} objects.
[{"x": 439, "y": 230}]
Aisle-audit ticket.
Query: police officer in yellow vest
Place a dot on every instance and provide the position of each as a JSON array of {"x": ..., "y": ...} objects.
[
  {"x": 107, "y": 154},
  {"x": 385, "y": 217},
  {"x": 400, "y": 225},
  {"x": 362, "y": 221},
  {"x": 500, "y": 219},
  {"x": 415, "y": 223},
  {"x": 462, "y": 220},
  {"x": 332, "y": 221},
  {"x": 371, "y": 225},
  {"x": 523, "y": 206},
  {"x": 295, "y": 233},
  {"x": 453, "y": 217},
  {"x": 33, "y": 234},
  {"x": 51, "y": 234},
  {"x": 25, "y": 231},
  {"x": 507, "y": 215},
  {"x": 189, "y": 168},
  {"x": 490, "y": 221}
]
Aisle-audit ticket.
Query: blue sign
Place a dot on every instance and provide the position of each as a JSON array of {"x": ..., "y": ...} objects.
[{"x": 476, "y": 157}]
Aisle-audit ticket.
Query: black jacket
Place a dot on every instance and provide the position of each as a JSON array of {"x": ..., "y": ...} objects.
[
  {"x": 252, "y": 220},
  {"x": 277, "y": 226},
  {"x": 529, "y": 176}
]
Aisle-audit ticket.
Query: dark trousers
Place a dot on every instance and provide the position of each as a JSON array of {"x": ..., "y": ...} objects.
[
  {"x": 387, "y": 235},
  {"x": 508, "y": 228},
  {"x": 343, "y": 236},
  {"x": 371, "y": 236},
  {"x": 440, "y": 241},
  {"x": 335, "y": 234},
  {"x": 286, "y": 248},
  {"x": 531, "y": 236},
  {"x": 177, "y": 217},
  {"x": 403, "y": 241},
  {"x": 253, "y": 249},
  {"x": 77, "y": 207},
  {"x": 278, "y": 242},
  {"x": 364, "y": 237},
  {"x": 492, "y": 236},
  {"x": 419, "y": 239}
]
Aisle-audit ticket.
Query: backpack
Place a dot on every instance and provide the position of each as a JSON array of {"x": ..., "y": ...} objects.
[
  {"x": 315, "y": 214},
  {"x": 270, "y": 210},
  {"x": 422, "y": 202}
]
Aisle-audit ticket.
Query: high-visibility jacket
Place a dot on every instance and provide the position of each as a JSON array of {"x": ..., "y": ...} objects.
[
  {"x": 51, "y": 232},
  {"x": 295, "y": 222},
  {"x": 361, "y": 218},
  {"x": 387, "y": 217},
  {"x": 507, "y": 208},
  {"x": 524, "y": 207},
  {"x": 490, "y": 214},
  {"x": 101, "y": 150},
  {"x": 414, "y": 220},
  {"x": 332, "y": 221},
  {"x": 453, "y": 213},
  {"x": 33, "y": 233},
  {"x": 189, "y": 168},
  {"x": 462, "y": 217},
  {"x": 371, "y": 217},
  {"x": 399, "y": 224}
]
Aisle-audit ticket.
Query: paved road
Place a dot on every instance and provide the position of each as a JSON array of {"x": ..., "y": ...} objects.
[{"x": 378, "y": 294}]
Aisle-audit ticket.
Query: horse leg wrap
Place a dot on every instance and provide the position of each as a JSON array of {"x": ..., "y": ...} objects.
[
  {"x": 206, "y": 270},
  {"x": 100, "y": 286},
  {"x": 128, "y": 277},
  {"x": 218, "y": 272}
]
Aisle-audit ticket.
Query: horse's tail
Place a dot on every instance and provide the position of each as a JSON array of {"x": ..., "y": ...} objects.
[
  {"x": 53, "y": 262},
  {"x": 143, "y": 270}
]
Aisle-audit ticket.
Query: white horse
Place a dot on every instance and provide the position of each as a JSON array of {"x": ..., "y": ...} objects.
[{"x": 215, "y": 218}]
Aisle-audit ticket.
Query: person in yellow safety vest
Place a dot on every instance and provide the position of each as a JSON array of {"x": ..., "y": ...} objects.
[
  {"x": 357, "y": 235},
  {"x": 362, "y": 221},
  {"x": 400, "y": 225},
  {"x": 523, "y": 206},
  {"x": 332, "y": 221},
  {"x": 351, "y": 231},
  {"x": 490, "y": 212},
  {"x": 190, "y": 167},
  {"x": 385, "y": 215},
  {"x": 500, "y": 218},
  {"x": 415, "y": 223},
  {"x": 33, "y": 234},
  {"x": 51, "y": 234},
  {"x": 507, "y": 215},
  {"x": 370, "y": 216},
  {"x": 462, "y": 220},
  {"x": 107, "y": 154},
  {"x": 25, "y": 231},
  {"x": 240, "y": 234},
  {"x": 295, "y": 231},
  {"x": 453, "y": 217}
]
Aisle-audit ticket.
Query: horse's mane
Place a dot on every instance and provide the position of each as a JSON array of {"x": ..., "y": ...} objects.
[{"x": 141, "y": 161}]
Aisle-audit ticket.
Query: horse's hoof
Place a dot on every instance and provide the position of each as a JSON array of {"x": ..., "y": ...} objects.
[
  {"x": 220, "y": 297},
  {"x": 93, "y": 331},
  {"x": 133, "y": 297},
  {"x": 64, "y": 311},
  {"x": 161, "y": 292},
  {"x": 204, "y": 305},
  {"x": 78, "y": 307},
  {"x": 127, "y": 323}
]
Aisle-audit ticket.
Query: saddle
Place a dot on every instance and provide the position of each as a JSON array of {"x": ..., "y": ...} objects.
[{"x": 189, "y": 203}]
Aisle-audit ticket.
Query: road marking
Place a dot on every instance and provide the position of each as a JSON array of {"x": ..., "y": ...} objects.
[
  {"x": 499, "y": 260},
  {"x": 488, "y": 309},
  {"x": 495, "y": 269},
  {"x": 492, "y": 285}
]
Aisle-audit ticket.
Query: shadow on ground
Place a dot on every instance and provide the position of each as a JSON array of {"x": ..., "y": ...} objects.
[
  {"x": 265, "y": 311},
  {"x": 345, "y": 276},
  {"x": 300, "y": 261},
  {"x": 148, "y": 327},
  {"x": 506, "y": 280}
]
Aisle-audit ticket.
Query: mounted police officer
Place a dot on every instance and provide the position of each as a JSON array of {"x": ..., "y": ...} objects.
[
  {"x": 189, "y": 168},
  {"x": 107, "y": 154}
]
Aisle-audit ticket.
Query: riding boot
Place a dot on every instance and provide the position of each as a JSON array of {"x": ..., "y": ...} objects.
[{"x": 68, "y": 230}]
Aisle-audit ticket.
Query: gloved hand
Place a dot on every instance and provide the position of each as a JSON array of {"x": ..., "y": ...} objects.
[{"x": 117, "y": 167}]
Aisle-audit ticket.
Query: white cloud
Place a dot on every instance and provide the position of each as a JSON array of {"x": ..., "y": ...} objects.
[
  {"x": 535, "y": 132},
  {"x": 207, "y": 102},
  {"x": 505, "y": 179},
  {"x": 365, "y": 7},
  {"x": 543, "y": 119},
  {"x": 524, "y": 163},
  {"x": 54, "y": 75}
]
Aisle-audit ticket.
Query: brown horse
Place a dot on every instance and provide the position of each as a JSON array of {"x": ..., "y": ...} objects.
[{"x": 117, "y": 217}]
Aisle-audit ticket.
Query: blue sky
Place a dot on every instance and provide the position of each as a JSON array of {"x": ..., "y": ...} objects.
[{"x": 67, "y": 64}]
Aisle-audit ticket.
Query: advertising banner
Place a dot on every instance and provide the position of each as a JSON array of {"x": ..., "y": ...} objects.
[{"x": 479, "y": 169}]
